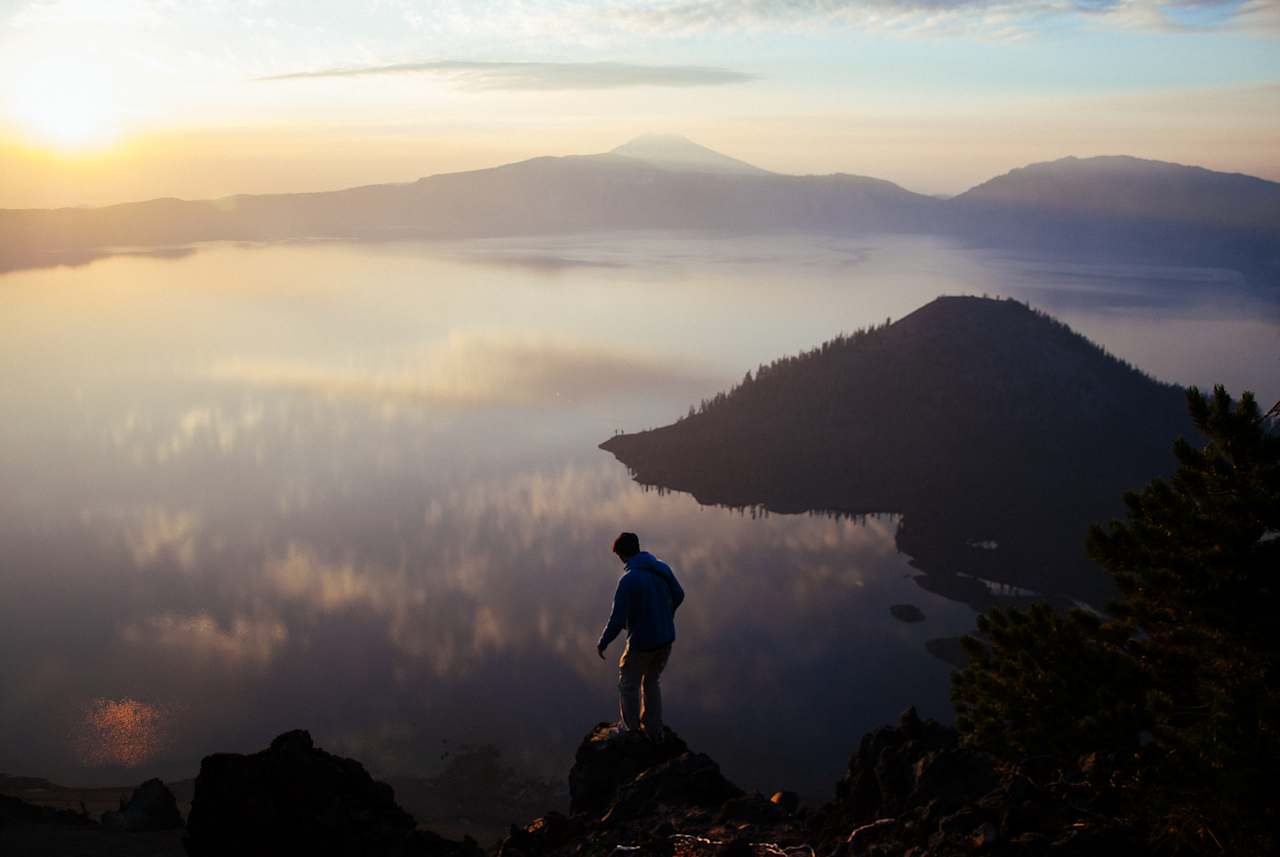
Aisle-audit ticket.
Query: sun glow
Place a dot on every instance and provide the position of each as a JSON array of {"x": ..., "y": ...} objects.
[
  {"x": 65, "y": 103},
  {"x": 122, "y": 732}
]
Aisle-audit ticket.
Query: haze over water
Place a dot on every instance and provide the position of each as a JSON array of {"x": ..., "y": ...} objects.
[{"x": 355, "y": 488}]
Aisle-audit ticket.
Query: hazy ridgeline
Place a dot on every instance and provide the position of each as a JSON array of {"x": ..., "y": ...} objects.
[{"x": 1097, "y": 208}]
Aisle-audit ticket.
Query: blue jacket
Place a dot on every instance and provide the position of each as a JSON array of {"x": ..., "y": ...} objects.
[{"x": 645, "y": 604}]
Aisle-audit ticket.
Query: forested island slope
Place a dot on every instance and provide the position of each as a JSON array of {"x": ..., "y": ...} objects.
[{"x": 980, "y": 420}]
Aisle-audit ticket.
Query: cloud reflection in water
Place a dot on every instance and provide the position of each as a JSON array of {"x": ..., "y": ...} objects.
[
  {"x": 202, "y": 640},
  {"x": 478, "y": 368}
]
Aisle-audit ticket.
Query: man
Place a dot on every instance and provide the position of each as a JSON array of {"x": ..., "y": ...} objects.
[{"x": 645, "y": 604}]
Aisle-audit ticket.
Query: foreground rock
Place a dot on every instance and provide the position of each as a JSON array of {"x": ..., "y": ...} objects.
[
  {"x": 151, "y": 807},
  {"x": 658, "y": 798},
  {"x": 602, "y": 764},
  {"x": 15, "y": 812},
  {"x": 294, "y": 798},
  {"x": 912, "y": 789},
  {"x": 30, "y": 830}
]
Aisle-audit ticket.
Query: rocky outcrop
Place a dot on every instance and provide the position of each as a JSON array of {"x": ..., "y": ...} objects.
[
  {"x": 604, "y": 762},
  {"x": 294, "y": 798},
  {"x": 31, "y": 830},
  {"x": 660, "y": 798},
  {"x": 151, "y": 807},
  {"x": 15, "y": 812},
  {"x": 630, "y": 776},
  {"x": 913, "y": 790}
]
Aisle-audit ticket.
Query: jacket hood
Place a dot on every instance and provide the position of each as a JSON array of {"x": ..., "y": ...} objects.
[{"x": 645, "y": 560}]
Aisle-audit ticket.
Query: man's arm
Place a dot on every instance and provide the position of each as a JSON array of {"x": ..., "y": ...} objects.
[
  {"x": 617, "y": 618},
  {"x": 677, "y": 593}
]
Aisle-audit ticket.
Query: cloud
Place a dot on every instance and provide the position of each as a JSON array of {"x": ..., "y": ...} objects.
[
  {"x": 542, "y": 75},
  {"x": 999, "y": 17}
]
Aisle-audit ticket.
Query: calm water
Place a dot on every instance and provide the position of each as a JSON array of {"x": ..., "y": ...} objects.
[{"x": 355, "y": 488}]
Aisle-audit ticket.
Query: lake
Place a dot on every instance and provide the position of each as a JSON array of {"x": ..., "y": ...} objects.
[{"x": 355, "y": 488}]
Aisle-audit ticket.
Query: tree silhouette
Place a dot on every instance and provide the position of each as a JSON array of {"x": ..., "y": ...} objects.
[
  {"x": 1197, "y": 563},
  {"x": 1181, "y": 682}
]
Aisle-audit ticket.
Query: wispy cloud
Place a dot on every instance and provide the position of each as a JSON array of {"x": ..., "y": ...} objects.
[
  {"x": 1001, "y": 17},
  {"x": 542, "y": 75}
]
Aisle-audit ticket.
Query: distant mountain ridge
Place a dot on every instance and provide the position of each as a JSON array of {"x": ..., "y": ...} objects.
[
  {"x": 1112, "y": 208},
  {"x": 1125, "y": 207},
  {"x": 980, "y": 421},
  {"x": 1121, "y": 185}
]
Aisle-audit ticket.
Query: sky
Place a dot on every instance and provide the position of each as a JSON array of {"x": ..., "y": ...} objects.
[{"x": 106, "y": 101}]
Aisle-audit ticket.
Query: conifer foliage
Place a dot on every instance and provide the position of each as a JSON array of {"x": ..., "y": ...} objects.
[
  {"x": 1045, "y": 684},
  {"x": 1181, "y": 683}
]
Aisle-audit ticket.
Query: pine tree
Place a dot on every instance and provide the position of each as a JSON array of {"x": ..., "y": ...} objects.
[
  {"x": 1182, "y": 679},
  {"x": 1197, "y": 563},
  {"x": 1041, "y": 683}
]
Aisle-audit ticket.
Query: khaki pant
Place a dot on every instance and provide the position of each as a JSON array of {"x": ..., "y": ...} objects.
[{"x": 638, "y": 675}]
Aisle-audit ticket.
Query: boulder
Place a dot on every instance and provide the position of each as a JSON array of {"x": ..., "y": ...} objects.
[
  {"x": 656, "y": 800},
  {"x": 738, "y": 846},
  {"x": 861, "y": 838},
  {"x": 152, "y": 806},
  {"x": 953, "y": 776},
  {"x": 294, "y": 798},
  {"x": 541, "y": 836},
  {"x": 605, "y": 761},
  {"x": 750, "y": 808},
  {"x": 688, "y": 780},
  {"x": 881, "y": 775}
]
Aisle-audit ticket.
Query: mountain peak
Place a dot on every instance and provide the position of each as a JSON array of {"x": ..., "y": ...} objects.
[
  {"x": 1124, "y": 188},
  {"x": 680, "y": 154}
]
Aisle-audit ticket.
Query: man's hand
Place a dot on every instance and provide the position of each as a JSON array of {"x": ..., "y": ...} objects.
[{"x": 600, "y": 652}]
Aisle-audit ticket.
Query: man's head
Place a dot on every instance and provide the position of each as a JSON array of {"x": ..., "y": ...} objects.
[{"x": 626, "y": 545}]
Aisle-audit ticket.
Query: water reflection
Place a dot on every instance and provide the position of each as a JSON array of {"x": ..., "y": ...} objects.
[
  {"x": 475, "y": 368},
  {"x": 356, "y": 489},
  {"x": 201, "y": 639},
  {"x": 476, "y": 618},
  {"x": 151, "y": 534}
]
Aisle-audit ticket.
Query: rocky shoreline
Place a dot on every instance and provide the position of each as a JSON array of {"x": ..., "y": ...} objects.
[{"x": 910, "y": 790}]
